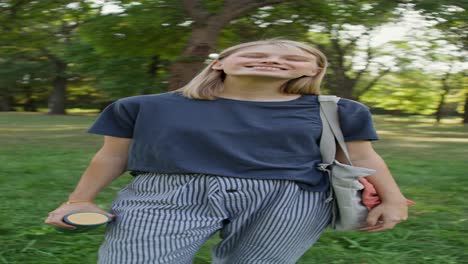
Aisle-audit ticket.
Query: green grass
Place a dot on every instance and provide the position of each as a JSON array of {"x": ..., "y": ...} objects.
[{"x": 43, "y": 156}]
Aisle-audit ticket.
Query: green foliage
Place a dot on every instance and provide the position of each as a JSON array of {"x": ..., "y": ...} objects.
[
  {"x": 145, "y": 30},
  {"x": 450, "y": 16},
  {"x": 212, "y": 6},
  {"x": 130, "y": 52},
  {"x": 412, "y": 92},
  {"x": 25, "y": 80},
  {"x": 402, "y": 99},
  {"x": 18, "y": 71}
]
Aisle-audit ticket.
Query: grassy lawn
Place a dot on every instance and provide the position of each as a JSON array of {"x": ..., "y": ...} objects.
[{"x": 42, "y": 158}]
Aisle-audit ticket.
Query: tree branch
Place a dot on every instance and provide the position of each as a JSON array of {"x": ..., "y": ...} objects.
[
  {"x": 320, "y": 46},
  {"x": 50, "y": 56},
  {"x": 370, "y": 55},
  {"x": 236, "y": 9},
  {"x": 339, "y": 51},
  {"x": 374, "y": 81},
  {"x": 195, "y": 10}
]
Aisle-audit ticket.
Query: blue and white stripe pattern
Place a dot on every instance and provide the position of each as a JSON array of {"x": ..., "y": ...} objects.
[{"x": 166, "y": 218}]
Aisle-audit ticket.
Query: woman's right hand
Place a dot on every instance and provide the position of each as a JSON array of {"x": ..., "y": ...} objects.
[{"x": 55, "y": 217}]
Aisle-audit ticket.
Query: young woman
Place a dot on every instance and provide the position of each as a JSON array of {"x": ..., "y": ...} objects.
[{"x": 236, "y": 151}]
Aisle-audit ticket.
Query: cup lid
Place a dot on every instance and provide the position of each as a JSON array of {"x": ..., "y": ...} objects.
[{"x": 86, "y": 218}]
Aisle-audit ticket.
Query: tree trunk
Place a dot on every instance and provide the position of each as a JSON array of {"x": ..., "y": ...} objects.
[
  {"x": 348, "y": 88},
  {"x": 30, "y": 104},
  {"x": 340, "y": 85},
  {"x": 201, "y": 43},
  {"x": 439, "y": 112},
  {"x": 153, "y": 74},
  {"x": 57, "y": 99},
  {"x": 5, "y": 104},
  {"x": 465, "y": 114},
  {"x": 204, "y": 35}
]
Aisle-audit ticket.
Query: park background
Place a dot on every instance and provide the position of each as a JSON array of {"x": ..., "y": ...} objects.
[{"x": 62, "y": 62}]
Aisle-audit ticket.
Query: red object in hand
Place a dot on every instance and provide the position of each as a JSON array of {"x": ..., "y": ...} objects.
[{"x": 370, "y": 197}]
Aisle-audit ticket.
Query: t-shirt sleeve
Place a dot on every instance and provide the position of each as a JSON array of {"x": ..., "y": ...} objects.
[
  {"x": 356, "y": 121},
  {"x": 117, "y": 120}
]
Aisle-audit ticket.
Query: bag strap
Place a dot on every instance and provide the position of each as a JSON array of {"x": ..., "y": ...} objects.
[
  {"x": 331, "y": 129},
  {"x": 327, "y": 140},
  {"x": 328, "y": 105}
]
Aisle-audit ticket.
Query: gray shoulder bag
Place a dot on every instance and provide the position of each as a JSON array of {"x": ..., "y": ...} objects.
[{"x": 345, "y": 189}]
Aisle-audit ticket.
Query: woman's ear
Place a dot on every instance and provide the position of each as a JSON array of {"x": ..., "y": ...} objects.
[
  {"x": 217, "y": 65},
  {"x": 313, "y": 73}
]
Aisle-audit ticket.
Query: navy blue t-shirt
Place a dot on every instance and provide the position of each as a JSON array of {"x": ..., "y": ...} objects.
[{"x": 229, "y": 137}]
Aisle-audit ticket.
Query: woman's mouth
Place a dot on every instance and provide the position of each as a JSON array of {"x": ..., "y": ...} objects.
[{"x": 266, "y": 68}]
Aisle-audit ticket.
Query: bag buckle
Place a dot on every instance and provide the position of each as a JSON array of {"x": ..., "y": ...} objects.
[{"x": 322, "y": 166}]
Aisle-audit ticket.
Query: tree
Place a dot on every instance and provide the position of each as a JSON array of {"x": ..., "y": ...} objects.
[
  {"x": 43, "y": 30},
  {"x": 24, "y": 80},
  {"x": 130, "y": 51},
  {"x": 209, "y": 18},
  {"x": 150, "y": 45},
  {"x": 450, "y": 17},
  {"x": 341, "y": 29}
]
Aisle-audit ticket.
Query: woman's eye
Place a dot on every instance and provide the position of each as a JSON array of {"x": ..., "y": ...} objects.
[
  {"x": 293, "y": 59},
  {"x": 260, "y": 56}
]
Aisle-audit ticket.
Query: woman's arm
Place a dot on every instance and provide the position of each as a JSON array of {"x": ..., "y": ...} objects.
[
  {"x": 108, "y": 164},
  {"x": 363, "y": 155},
  {"x": 393, "y": 208}
]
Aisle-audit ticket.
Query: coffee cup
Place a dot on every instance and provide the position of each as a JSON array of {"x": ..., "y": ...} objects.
[{"x": 84, "y": 221}]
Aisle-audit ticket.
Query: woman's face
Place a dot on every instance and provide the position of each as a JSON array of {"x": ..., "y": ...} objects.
[{"x": 269, "y": 61}]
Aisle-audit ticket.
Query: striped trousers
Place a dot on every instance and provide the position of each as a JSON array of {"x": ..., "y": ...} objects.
[{"x": 166, "y": 218}]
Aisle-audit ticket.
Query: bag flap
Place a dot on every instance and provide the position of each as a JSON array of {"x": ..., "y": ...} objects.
[{"x": 340, "y": 170}]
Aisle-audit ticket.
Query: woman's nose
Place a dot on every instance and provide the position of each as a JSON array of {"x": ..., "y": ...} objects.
[{"x": 269, "y": 61}]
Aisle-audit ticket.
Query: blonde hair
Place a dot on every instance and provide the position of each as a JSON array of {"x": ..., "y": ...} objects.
[{"x": 209, "y": 83}]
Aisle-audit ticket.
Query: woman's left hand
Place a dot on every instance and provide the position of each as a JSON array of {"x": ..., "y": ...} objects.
[{"x": 386, "y": 215}]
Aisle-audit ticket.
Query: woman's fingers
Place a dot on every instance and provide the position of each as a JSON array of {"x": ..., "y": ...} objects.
[
  {"x": 380, "y": 226},
  {"x": 56, "y": 220},
  {"x": 108, "y": 214},
  {"x": 370, "y": 227},
  {"x": 384, "y": 217},
  {"x": 112, "y": 216},
  {"x": 375, "y": 217}
]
